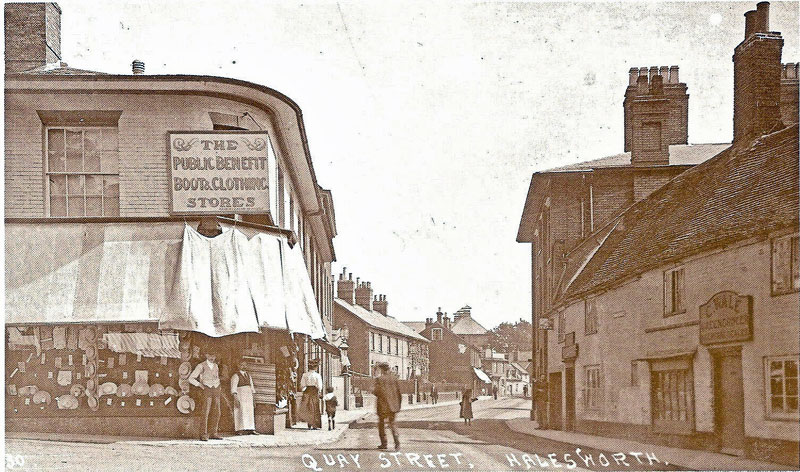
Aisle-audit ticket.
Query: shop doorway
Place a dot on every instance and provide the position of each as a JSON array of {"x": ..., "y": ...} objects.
[
  {"x": 729, "y": 401},
  {"x": 569, "y": 394},
  {"x": 555, "y": 401}
]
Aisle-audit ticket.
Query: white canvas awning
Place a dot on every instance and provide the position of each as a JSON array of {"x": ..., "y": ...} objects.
[
  {"x": 157, "y": 272},
  {"x": 482, "y": 375}
]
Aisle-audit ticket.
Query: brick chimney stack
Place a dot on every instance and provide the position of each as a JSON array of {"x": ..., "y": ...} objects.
[
  {"x": 439, "y": 315},
  {"x": 33, "y": 35},
  {"x": 656, "y": 107},
  {"x": 757, "y": 73},
  {"x": 380, "y": 305},
  {"x": 345, "y": 288},
  {"x": 364, "y": 295}
]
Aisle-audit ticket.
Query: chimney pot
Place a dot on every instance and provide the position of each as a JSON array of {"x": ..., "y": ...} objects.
[
  {"x": 750, "y": 21},
  {"x": 762, "y": 18},
  {"x": 643, "y": 71},
  {"x": 350, "y": 276},
  {"x": 138, "y": 67},
  {"x": 653, "y": 72},
  {"x": 663, "y": 71},
  {"x": 673, "y": 75},
  {"x": 633, "y": 75}
]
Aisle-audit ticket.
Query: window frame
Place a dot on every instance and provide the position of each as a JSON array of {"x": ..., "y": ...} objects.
[
  {"x": 794, "y": 248},
  {"x": 562, "y": 321},
  {"x": 593, "y": 392},
  {"x": 670, "y": 291},
  {"x": 438, "y": 331},
  {"x": 48, "y": 173},
  {"x": 769, "y": 414},
  {"x": 663, "y": 368},
  {"x": 590, "y": 317}
]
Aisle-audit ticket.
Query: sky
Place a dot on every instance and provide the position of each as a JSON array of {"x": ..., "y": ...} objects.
[{"x": 427, "y": 119}]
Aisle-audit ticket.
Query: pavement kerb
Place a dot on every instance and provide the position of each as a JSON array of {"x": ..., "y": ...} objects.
[{"x": 688, "y": 458}]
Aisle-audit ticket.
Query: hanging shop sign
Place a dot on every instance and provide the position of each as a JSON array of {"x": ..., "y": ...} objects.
[
  {"x": 545, "y": 324},
  {"x": 727, "y": 316},
  {"x": 219, "y": 172}
]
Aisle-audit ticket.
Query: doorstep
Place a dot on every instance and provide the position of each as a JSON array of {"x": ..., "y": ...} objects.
[{"x": 688, "y": 458}]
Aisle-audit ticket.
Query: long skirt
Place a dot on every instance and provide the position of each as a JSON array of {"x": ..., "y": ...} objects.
[
  {"x": 243, "y": 414},
  {"x": 466, "y": 408},
  {"x": 309, "y": 410}
]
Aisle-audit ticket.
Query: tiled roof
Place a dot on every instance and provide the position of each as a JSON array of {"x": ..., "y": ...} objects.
[
  {"x": 466, "y": 325},
  {"x": 377, "y": 320},
  {"x": 417, "y": 326},
  {"x": 744, "y": 191},
  {"x": 61, "y": 68},
  {"x": 679, "y": 154}
]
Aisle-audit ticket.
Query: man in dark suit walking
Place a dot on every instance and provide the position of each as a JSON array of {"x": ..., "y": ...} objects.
[{"x": 387, "y": 402}]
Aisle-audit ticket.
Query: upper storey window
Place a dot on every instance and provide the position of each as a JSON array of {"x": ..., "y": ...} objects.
[{"x": 82, "y": 169}]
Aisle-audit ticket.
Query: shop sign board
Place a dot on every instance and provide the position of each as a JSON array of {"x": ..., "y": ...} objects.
[
  {"x": 726, "y": 317},
  {"x": 545, "y": 324},
  {"x": 214, "y": 172},
  {"x": 569, "y": 352}
]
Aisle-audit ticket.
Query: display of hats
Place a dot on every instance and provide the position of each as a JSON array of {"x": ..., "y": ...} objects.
[
  {"x": 156, "y": 390},
  {"x": 41, "y": 397},
  {"x": 91, "y": 385},
  {"x": 91, "y": 352},
  {"x": 184, "y": 385},
  {"x": 108, "y": 388},
  {"x": 124, "y": 390},
  {"x": 185, "y": 369},
  {"x": 67, "y": 402},
  {"x": 11, "y": 389},
  {"x": 77, "y": 390},
  {"x": 185, "y": 404},
  {"x": 91, "y": 400},
  {"x": 140, "y": 388},
  {"x": 27, "y": 390},
  {"x": 170, "y": 390},
  {"x": 90, "y": 369}
]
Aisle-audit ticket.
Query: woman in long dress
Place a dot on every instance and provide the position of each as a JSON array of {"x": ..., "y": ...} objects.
[
  {"x": 466, "y": 405},
  {"x": 311, "y": 384},
  {"x": 242, "y": 390}
]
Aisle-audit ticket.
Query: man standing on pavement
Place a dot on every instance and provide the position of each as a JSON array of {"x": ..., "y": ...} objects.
[
  {"x": 541, "y": 402},
  {"x": 206, "y": 376},
  {"x": 387, "y": 396}
]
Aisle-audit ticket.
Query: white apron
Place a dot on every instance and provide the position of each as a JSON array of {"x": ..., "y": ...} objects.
[{"x": 243, "y": 414}]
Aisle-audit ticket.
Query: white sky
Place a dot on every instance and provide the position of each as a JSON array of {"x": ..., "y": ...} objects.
[{"x": 426, "y": 120}]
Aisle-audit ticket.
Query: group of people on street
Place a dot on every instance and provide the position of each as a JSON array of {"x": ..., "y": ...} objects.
[{"x": 206, "y": 376}]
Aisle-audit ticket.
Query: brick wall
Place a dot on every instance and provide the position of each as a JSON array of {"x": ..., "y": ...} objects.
[
  {"x": 447, "y": 363},
  {"x": 648, "y": 181},
  {"x": 612, "y": 192},
  {"x": 676, "y": 126},
  {"x": 757, "y": 73},
  {"x": 32, "y": 35}
]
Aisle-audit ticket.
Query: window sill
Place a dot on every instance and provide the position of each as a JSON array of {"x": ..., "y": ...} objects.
[
  {"x": 785, "y": 292},
  {"x": 787, "y": 418},
  {"x": 674, "y": 313},
  {"x": 587, "y": 333}
]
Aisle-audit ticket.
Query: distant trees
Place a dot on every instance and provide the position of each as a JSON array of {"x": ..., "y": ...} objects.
[{"x": 507, "y": 337}]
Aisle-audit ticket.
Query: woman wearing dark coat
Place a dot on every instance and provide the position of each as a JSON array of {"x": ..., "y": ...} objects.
[{"x": 466, "y": 405}]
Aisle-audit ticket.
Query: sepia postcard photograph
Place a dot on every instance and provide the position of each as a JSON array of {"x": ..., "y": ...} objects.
[{"x": 403, "y": 236}]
